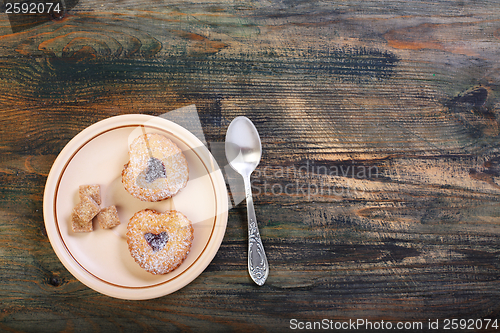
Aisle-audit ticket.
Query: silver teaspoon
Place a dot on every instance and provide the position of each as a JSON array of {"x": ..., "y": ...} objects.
[{"x": 243, "y": 152}]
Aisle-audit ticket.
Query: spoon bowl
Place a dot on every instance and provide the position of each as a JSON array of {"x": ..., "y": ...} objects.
[
  {"x": 243, "y": 146},
  {"x": 243, "y": 152}
]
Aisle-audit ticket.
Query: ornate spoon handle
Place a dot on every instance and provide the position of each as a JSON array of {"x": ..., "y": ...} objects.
[{"x": 257, "y": 260}]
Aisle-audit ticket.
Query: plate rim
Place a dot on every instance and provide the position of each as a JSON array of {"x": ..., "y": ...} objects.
[{"x": 67, "y": 259}]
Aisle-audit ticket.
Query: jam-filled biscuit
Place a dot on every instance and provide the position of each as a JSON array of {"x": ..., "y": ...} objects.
[
  {"x": 159, "y": 242},
  {"x": 157, "y": 168}
]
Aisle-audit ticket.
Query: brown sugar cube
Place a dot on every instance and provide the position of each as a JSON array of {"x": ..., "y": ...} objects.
[
  {"x": 79, "y": 225},
  {"x": 87, "y": 208},
  {"x": 108, "y": 217},
  {"x": 93, "y": 191}
]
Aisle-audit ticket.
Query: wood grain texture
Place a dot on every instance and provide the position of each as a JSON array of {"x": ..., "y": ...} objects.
[{"x": 378, "y": 192}]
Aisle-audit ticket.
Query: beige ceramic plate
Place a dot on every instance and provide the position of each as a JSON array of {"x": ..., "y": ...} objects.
[{"x": 100, "y": 259}]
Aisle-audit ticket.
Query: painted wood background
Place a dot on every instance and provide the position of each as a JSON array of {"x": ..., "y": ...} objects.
[{"x": 378, "y": 195}]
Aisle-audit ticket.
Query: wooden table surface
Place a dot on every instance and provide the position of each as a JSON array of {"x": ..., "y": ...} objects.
[{"x": 378, "y": 193}]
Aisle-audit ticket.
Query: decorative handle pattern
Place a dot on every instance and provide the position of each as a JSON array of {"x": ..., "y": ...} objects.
[
  {"x": 257, "y": 261},
  {"x": 258, "y": 267}
]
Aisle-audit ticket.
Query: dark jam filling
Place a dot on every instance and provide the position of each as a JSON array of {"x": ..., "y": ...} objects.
[
  {"x": 155, "y": 170},
  {"x": 156, "y": 241}
]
